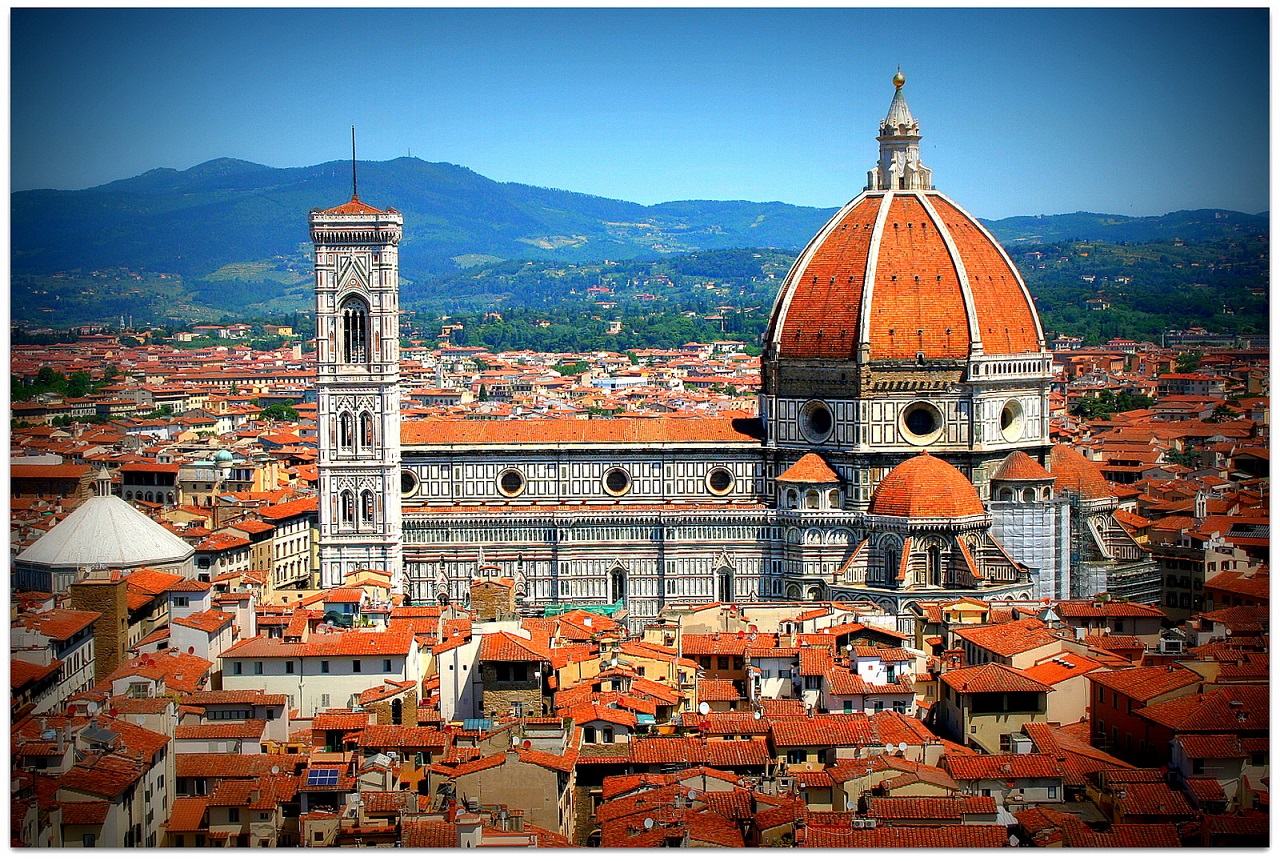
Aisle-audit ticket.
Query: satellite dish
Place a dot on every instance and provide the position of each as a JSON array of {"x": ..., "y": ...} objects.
[
  {"x": 902, "y": 747},
  {"x": 704, "y": 707},
  {"x": 648, "y": 823},
  {"x": 528, "y": 745},
  {"x": 693, "y": 795},
  {"x": 758, "y": 715},
  {"x": 848, "y": 647},
  {"x": 889, "y": 749},
  {"x": 515, "y": 741}
]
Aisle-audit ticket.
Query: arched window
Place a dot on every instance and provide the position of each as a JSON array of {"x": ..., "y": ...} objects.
[
  {"x": 397, "y": 712},
  {"x": 617, "y": 585},
  {"x": 892, "y": 557},
  {"x": 1029, "y": 495},
  {"x": 726, "y": 584},
  {"x": 354, "y": 332},
  {"x": 935, "y": 566},
  {"x": 346, "y": 508},
  {"x": 171, "y": 499},
  {"x": 367, "y": 514},
  {"x": 811, "y": 499},
  {"x": 366, "y": 430},
  {"x": 791, "y": 498},
  {"x": 606, "y": 735},
  {"x": 833, "y": 499},
  {"x": 1006, "y": 495},
  {"x": 346, "y": 436}
]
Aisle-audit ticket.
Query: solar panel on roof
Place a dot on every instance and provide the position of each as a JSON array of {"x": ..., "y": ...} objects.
[{"x": 323, "y": 777}]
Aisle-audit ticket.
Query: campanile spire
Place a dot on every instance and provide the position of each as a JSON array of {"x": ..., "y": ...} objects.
[{"x": 899, "y": 168}]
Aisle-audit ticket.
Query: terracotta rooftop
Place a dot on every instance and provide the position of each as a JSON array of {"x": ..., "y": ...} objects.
[
  {"x": 810, "y": 469},
  {"x": 616, "y": 431},
  {"x": 1020, "y": 467},
  {"x": 1075, "y": 473},
  {"x": 925, "y": 486}
]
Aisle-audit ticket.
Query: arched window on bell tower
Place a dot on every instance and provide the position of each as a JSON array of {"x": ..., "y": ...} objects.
[
  {"x": 346, "y": 508},
  {"x": 368, "y": 513},
  {"x": 354, "y": 334},
  {"x": 346, "y": 435},
  {"x": 366, "y": 430}
]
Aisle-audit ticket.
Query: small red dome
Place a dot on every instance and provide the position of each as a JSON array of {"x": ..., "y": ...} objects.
[
  {"x": 1020, "y": 467},
  {"x": 1074, "y": 472},
  {"x": 925, "y": 486}
]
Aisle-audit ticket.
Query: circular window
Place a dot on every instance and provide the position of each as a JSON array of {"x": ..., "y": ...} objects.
[
  {"x": 1011, "y": 421},
  {"x": 815, "y": 421},
  {"x": 617, "y": 481},
  {"x": 511, "y": 482},
  {"x": 720, "y": 480},
  {"x": 408, "y": 482},
  {"x": 921, "y": 423}
]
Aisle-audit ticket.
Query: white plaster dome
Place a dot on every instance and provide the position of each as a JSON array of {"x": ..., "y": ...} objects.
[{"x": 106, "y": 532}]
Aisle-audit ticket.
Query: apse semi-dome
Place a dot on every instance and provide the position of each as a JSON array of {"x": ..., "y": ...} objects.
[
  {"x": 902, "y": 272},
  {"x": 1073, "y": 472},
  {"x": 926, "y": 486}
]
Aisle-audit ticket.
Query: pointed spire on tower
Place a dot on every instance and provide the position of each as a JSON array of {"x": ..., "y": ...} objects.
[
  {"x": 899, "y": 168},
  {"x": 354, "y": 195}
]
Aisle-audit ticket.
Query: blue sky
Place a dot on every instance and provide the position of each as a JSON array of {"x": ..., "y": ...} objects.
[{"x": 1023, "y": 111}]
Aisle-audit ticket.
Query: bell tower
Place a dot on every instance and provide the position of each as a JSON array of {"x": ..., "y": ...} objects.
[{"x": 358, "y": 387}]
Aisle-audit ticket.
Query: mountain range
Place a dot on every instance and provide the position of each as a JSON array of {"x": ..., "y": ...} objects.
[{"x": 232, "y": 228}]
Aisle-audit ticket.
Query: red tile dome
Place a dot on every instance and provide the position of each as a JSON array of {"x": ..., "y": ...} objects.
[
  {"x": 925, "y": 486},
  {"x": 903, "y": 273},
  {"x": 1074, "y": 472}
]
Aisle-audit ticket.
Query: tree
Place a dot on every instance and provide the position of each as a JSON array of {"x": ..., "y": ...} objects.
[
  {"x": 79, "y": 384},
  {"x": 1222, "y": 413},
  {"x": 279, "y": 413},
  {"x": 1188, "y": 362}
]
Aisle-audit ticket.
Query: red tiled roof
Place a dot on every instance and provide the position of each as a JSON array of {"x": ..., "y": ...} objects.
[
  {"x": 355, "y": 206},
  {"x": 909, "y": 837},
  {"x": 827, "y": 730},
  {"x": 1010, "y": 638},
  {"x": 236, "y": 729},
  {"x": 810, "y": 469},
  {"x": 402, "y": 737},
  {"x": 233, "y": 765},
  {"x": 335, "y": 720},
  {"x": 1213, "y": 712},
  {"x": 503, "y": 646},
  {"x": 718, "y": 690},
  {"x": 209, "y": 621},
  {"x": 925, "y": 486},
  {"x": 991, "y": 678},
  {"x": 1145, "y": 683},
  {"x": 626, "y": 430},
  {"x": 1105, "y": 610},
  {"x": 1020, "y": 467},
  {"x": 355, "y": 643},
  {"x": 58, "y": 624},
  {"x": 930, "y": 807},
  {"x": 1073, "y": 472},
  {"x": 187, "y": 814}
]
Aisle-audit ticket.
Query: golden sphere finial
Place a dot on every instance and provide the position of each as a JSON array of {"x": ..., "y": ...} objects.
[{"x": 899, "y": 79}]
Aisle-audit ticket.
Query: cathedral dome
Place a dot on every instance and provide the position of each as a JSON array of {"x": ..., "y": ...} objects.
[
  {"x": 925, "y": 486},
  {"x": 106, "y": 532},
  {"x": 1073, "y": 472},
  {"x": 902, "y": 272}
]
